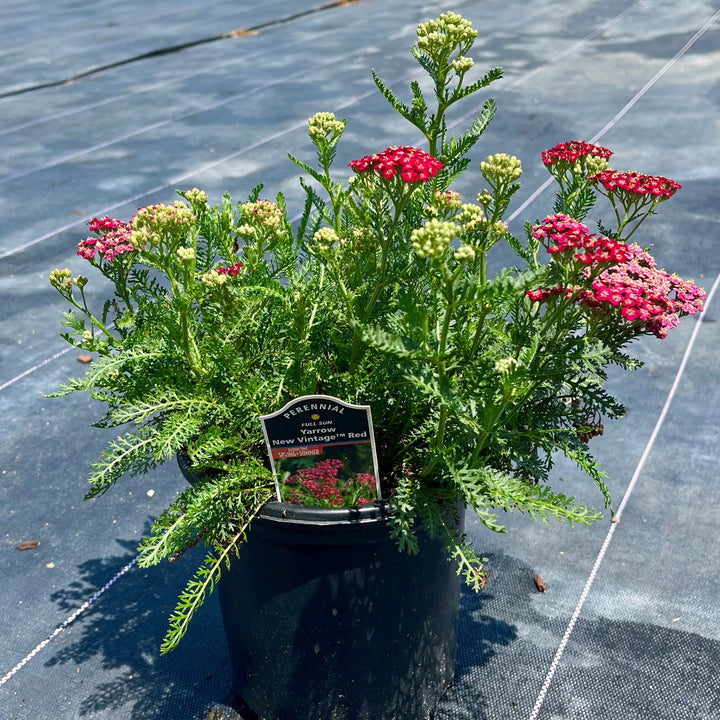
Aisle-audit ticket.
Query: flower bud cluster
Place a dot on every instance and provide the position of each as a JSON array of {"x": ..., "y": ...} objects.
[
  {"x": 359, "y": 238},
  {"x": 444, "y": 204},
  {"x": 325, "y": 239},
  {"x": 445, "y": 33},
  {"x": 196, "y": 197},
  {"x": 462, "y": 64},
  {"x": 185, "y": 254},
  {"x": 433, "y": 239},
  {"x": 465, "y": 254},
  {"x": 472, "y": 217},
  {"x": 245, "y": 230},
  {"x": 154, "y": 222},
  {"x": 220, "y": 275},
  {"x": 500, "y": 169},
  {"x": 504, "y": 366},
  {"x": 323, "y": 126},
  {"x": 265, "y": 213},
  {"x": 60, "y": 279}
]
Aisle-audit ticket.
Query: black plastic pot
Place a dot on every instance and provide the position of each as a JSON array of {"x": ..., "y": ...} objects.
[{"x": 327, "y": 620}]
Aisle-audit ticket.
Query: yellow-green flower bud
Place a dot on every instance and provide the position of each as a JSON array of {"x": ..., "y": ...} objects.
[
  {"x": 465, "y": 254},
  {"x": 472, "y": 218},
  {"x": 325, "y": 238},
  {"x": 485, "y": 198},
  {"x": 432, "y": 240},
  {"x": 214, "y": 279},
  {"x": 60, "y": 278},
  {"x": 504, "y": 366},
  {"x": 360, "y": 238},
  {"x": 158, "y": 220},
  {"x": 324, "y": 126},
  {"x": 244, "y": 230},
  {"x": 447, "y": 31},
  {"x": 499, "y": 227},
  {"x": 501, "y": 168},
  {"x": 595, "y": 164},
  {"x": 80, "y": 281},
  {"x": 444, "y": 203},
  {"x": 462, "y": 64},
  {"x": 186, "y": 254},
  {"x": 263, "y": 212},
  {"x": 197, "y": 197}
]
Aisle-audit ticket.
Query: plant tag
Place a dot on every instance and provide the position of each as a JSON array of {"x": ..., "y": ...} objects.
[{"x": 322, "y": 452}]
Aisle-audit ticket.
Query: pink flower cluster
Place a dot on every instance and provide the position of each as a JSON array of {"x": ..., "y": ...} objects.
[
  {"x": 636, "y": 183},
  {"x": 113, "y": 240},
  {"x": 232, "y": 270},
  {"x": 574, "y": 150},
  {"x": 644, "y": 293},
  {"x": 413, "y": 164},
  {"x": 569, "y": 234},
  {"x": 630, "y": 282},
  {"x": 322, "y": 483}
]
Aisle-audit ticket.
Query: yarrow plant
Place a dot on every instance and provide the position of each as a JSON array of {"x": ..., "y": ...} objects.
[{"x": 380, "y": 295}]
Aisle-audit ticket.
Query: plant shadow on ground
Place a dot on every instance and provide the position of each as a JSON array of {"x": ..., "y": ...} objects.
[
  {"x": 119, "y": 635},
  {"x": 118, "y": 639},
  {"x": 481, "y": 638}
]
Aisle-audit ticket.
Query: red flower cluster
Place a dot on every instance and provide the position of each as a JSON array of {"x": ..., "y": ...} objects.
[
  {"x": 321, "y": 482},
  {"x": 233, "y": 270},
  {"x": 572, "y": 151},
  {"x": 569, "y": 234},
  {"x": 636, "y": 183},
  {"x": 113, "y": 240},
  {"x": 413, "y": 164},
  {"x": 631, "y": 283}
]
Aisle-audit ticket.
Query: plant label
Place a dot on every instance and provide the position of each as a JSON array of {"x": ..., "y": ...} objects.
[{"x": 322, "y": 452}]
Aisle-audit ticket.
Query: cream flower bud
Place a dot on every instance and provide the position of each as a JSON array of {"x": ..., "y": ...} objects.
[
  {"x": 501, "y": 168},
  {"x": 186, "y": 254},
  {"x": 462, "y": 64},
  {"x": 325, "y": 238},
  {"x": 504, "y": 366},
  {"x": 465, "y": 254},
  {"x": 595, "y": 164},
  {"x": 197, "y": 197},
  {"x": 432, "y": 240},
  {"x": 213, "y": 279},
  {"x": 60, "y": 278},
  {"x": 244, "y": 230},
  {"x": 324, "y": 126},
  {"x": 500, "y": 227}
]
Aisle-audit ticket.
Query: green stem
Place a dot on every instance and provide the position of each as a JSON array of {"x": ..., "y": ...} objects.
[{"x": 85, "y": 311}]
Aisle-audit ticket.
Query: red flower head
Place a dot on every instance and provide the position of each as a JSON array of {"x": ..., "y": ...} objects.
[
  {"x": 233, "y": 270},
  {"x": 573, "y": 150},
  {"x": 414, "y": 165},
  {"x": 636, "y": 183}
]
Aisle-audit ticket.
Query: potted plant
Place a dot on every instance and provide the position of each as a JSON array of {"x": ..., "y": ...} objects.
[{"x": 380, "y": 297}]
